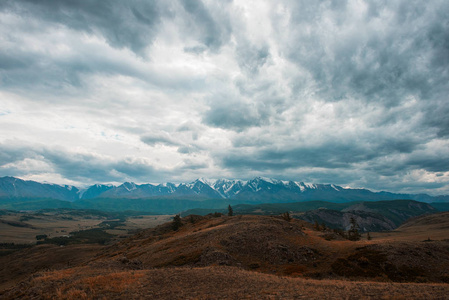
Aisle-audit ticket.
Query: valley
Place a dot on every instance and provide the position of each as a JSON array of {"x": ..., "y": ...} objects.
[{"x": 22, "y": 227}]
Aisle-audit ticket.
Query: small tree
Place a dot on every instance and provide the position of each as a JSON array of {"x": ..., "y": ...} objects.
[
  {"x": 316, "y": 226},
  {"x": 41, "y": 237},
  {"x": 230, "y": 211},
  {"x": 353, "y": 232},
  {"x": 368, "y": 236},
  {"x": 323, "y": 226},
  {"x": 192, "y": 220},
  {"x": 286, "y": 216},
  {"x": 177, "y": 223}
]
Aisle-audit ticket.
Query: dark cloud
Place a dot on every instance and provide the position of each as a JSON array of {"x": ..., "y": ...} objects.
[
  {"x": 130, "y": 24},
  {"x": 229, "y": 113},
  {"x": 383, "y": 59},
  {"x": 333, "y": 154},
  {"x": 210, "y": 32}
]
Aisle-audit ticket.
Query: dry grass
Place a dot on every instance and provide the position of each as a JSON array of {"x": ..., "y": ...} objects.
[
  {"x": 210, "y": 283},
  {"x": 54, "y": 224},
  {"x": 212, "y": 259},
  {"x": 275, "y": 246},
  {"x": 18, "y": 266},
  {"x": 434, "y": 227}
]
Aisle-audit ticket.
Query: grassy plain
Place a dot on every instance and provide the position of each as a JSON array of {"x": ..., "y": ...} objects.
[{"x": 23, "y": 227}]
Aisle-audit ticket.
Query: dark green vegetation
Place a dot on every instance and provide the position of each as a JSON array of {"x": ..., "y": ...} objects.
[
  {"x": 8, "y": 248},
  {"x": 159, "y": 205},
  {"x": 90, "y": 236},
  {"x": 441, "y": 206}
]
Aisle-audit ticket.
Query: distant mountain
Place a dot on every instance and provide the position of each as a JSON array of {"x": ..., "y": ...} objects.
[
  {"x": 11, "y": 187},
  {"x": 95, "y": 190},
  {"x": 257, "y": 190}
]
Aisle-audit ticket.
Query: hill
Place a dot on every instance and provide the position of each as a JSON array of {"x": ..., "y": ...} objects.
[
  {"x": 370, "y": 216},
  {"x": 273, "y": 245},
  {"x": 422, "y": 228},
  {"x": 220, "y": 257}
]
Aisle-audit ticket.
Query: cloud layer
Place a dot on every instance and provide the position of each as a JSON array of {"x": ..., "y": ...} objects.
[{"x": 346, "y": 92}]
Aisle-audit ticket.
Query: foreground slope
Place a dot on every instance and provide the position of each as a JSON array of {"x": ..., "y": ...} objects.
[
  {"x": 207, "y": 283},
  {"x": 248, "y": 256}
]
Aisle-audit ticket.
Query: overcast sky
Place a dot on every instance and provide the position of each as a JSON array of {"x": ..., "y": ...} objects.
[{"x": 353, "y": 93}]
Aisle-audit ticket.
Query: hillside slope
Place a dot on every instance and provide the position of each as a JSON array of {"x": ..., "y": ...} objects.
[
  {"x": 273, "y": 245},
  {"x": 243, "y": 256},
  {"x": 370, "y": 216}
]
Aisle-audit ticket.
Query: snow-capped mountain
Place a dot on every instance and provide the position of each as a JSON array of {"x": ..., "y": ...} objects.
[{"x": 257, "y": 190}]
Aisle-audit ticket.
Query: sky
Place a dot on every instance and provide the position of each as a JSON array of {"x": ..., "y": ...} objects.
[{"x": 353, "y": 93}]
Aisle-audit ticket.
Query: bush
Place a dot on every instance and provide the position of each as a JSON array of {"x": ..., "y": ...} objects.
[
  {"x": 286, "y": 216},
  {"x": 41, "y": 236},
  {"x": 230, "y": 211},
  {"x": 177, "y": 223},
  {"x": 353, "y": 232}
]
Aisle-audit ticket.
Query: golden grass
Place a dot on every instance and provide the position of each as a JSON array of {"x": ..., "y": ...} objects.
[
  {"x": 212, "y": 283},
  {"x": 260, "y": 243}
]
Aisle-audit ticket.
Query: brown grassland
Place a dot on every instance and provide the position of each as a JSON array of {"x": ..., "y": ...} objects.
[
  {"x": 22, "y": 227},
  {"x": 252, "y": 257}
]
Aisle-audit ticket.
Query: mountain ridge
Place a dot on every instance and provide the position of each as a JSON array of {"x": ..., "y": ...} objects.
[{"x": 256, "y": 190}]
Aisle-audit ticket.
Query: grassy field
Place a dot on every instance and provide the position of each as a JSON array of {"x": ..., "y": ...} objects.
[
  {"x": 431, "y": 227},
  {"x": 23, "y": 227}
]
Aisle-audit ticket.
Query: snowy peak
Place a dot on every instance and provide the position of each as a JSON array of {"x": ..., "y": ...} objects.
[
  {"x": 95, "y": 190},
  {"x": 210, "y": 188},
  {"x": 129, "y": 186},
  {"x": 256, "y": 190},
  {"x": 228, "y": 188}
]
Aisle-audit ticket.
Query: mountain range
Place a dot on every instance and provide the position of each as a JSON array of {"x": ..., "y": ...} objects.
[{"x": 257, "y": 190}]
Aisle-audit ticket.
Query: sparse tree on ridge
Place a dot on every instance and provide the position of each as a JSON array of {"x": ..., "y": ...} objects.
[
  {"x": 353, "y": 232},
  {"x": 230, "y": 211},
  {"x": 316, "y": 226},
  {"x": 177, "y": 223},
  {"x": 286, "y": 216}
]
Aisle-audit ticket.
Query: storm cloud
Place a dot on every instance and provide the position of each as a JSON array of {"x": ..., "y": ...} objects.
[{"x": 346, "y": 92}]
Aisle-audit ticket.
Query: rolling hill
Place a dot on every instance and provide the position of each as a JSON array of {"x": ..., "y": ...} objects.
[{"x": 240, "y": 256}]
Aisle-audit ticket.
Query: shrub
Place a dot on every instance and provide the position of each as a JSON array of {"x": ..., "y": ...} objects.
[
  {"x": 286, "y": 216},
  {"x": 230, "y": 211},
  {"x": 177, "y": 223},
  {"x": 41, "y": 236},
  {"x": 353, "y": 232}
]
